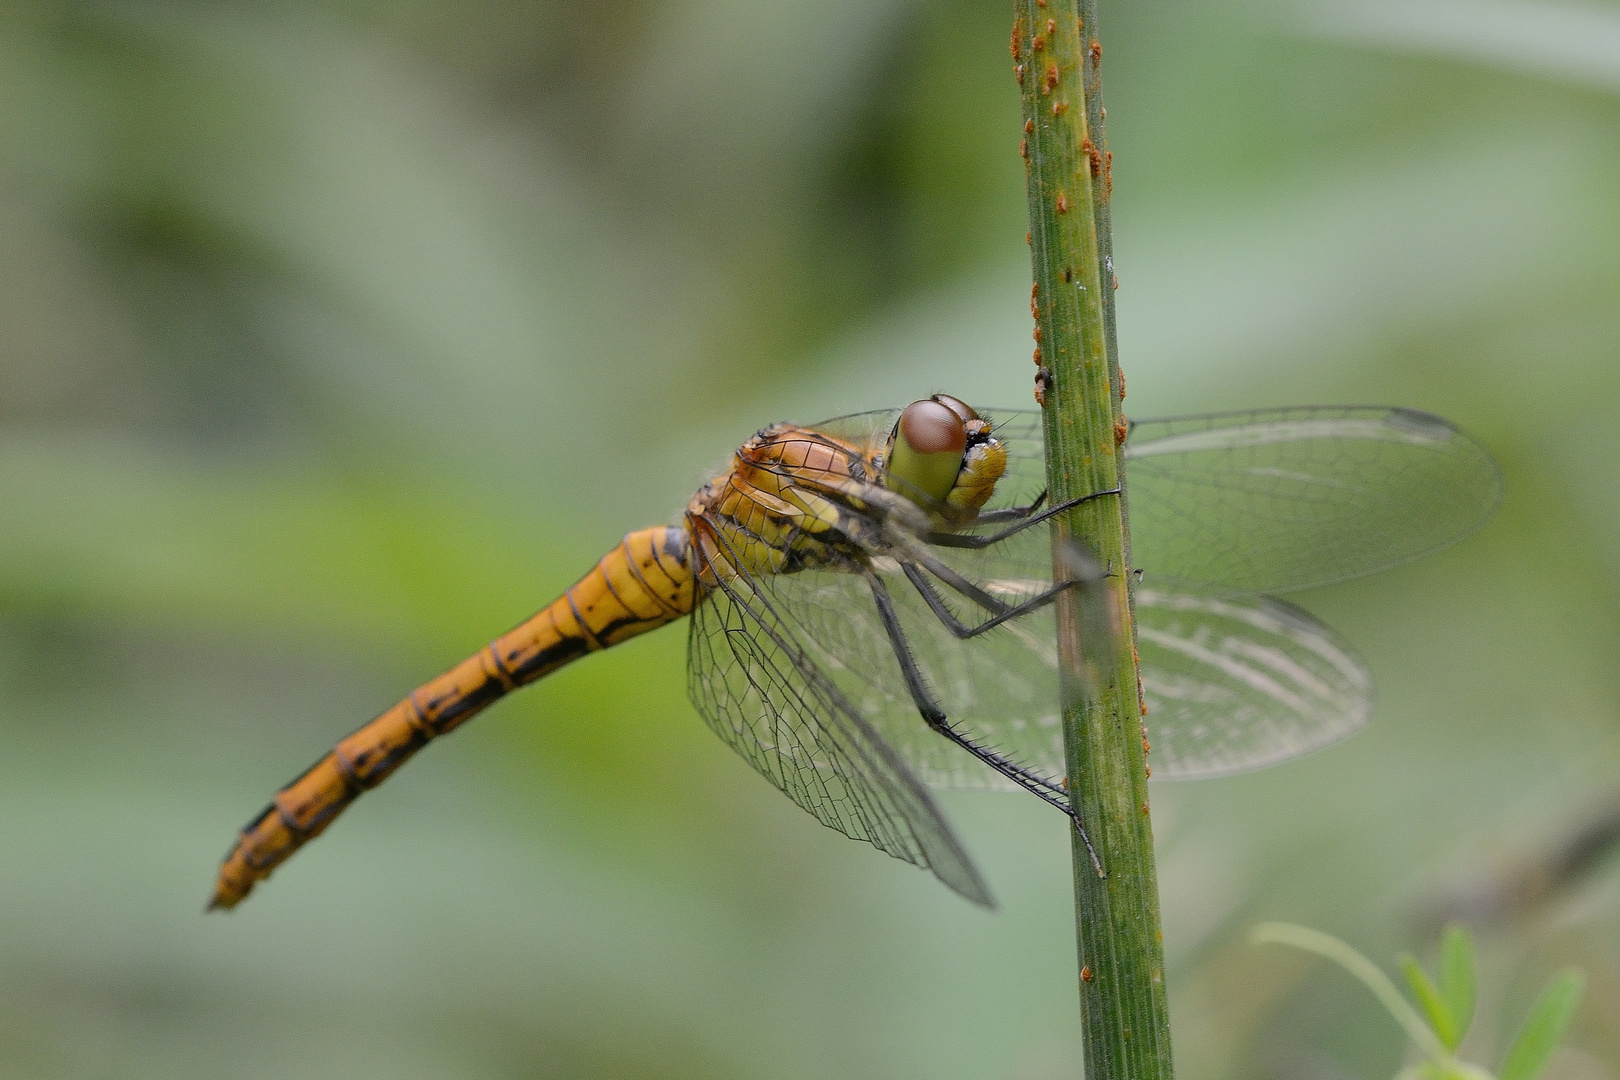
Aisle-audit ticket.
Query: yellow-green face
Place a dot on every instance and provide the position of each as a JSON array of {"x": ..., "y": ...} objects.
[
  {"x": 925, "y": 452},
  {"x": 942, "y": 457}
]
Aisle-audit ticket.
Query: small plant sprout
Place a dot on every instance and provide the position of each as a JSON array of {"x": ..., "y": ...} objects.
[{"x": 1446, "y": 1003}]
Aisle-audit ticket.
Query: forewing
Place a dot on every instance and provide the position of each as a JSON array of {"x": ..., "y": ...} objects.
[
  {"x": 762, "y": 693},
  {"x": 866, "y": 430},
  {"x": 1282, "y": 499},
  {"x": 1268, "y": 500}
]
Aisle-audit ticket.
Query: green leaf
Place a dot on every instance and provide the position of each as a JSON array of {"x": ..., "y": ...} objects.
[
  {"x": 1433, "y": 1002},
  {"x": 1549, "y": 1019},
  {"x": 1457, "y": 977}
]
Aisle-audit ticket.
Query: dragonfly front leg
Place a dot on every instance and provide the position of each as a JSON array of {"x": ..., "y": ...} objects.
[
  {"x": 961, "y": 540},
  {"x": 1010, "y": 513},
  {"x": 932, "y": 714}
]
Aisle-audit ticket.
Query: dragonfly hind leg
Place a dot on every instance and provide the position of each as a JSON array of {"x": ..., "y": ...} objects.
[
  {"x": 1048, "y": 791},
  {"x": 1086, "y": 570},
  {"x": 1000, "y": 613}
]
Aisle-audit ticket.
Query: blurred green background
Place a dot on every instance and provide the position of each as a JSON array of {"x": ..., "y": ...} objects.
[{"x": 337, "y": 338}]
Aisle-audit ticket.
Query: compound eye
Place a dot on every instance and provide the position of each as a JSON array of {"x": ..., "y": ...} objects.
[
  {"x": 929, "y": 442},
  {"x": 957, "y": 406},
  {"x": 933, "y": 427}
]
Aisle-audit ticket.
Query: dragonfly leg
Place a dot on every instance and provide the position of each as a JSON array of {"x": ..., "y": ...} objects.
[
  {"x": 1011, "y": 513},
  {"x": 1047, "y": 790},
  {"x": 936, "y": 566},
  {"x": 961, "y": 629},
  {"x": 1085, "y": 569},
  {"x": 961, "y": 540}
]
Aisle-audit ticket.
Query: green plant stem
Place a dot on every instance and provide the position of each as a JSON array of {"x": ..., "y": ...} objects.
[
  {"x": 1097, "y": 129},
  {"x": 1122, "y": 994}
]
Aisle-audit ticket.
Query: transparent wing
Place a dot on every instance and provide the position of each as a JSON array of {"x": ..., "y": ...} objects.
[
  {"x": 1237, "y": 681},
  {"x": 1007, "y": 677},
  {"x": 1282, "y": 499},
  {"x": 1233, "y": 681},
  {"x": 1220, "y": 505},
  {"x": 759, "y": 689},
  {"x": 1274, "y": 499},
  {"x": 867, "y": 430}
]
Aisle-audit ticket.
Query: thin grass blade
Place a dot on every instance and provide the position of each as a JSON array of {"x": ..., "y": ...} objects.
[
  {"x": 1432, "y": 1001},
  {"x": 1549, "y": 1018},
  {"x": 1456, "y": 977}
]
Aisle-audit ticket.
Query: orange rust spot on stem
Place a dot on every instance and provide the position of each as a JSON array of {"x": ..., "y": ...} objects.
[
  {"x": 1059, "y": 108},
  {"x": 1029, "y": 127},
  {"x": 1034, "y": 296},
  {"x": 1018, "y": 73},
  {"x": 1149, "y": 769},
  {"x": 1096, "y": 52},
  {"x": 1023, "y": 149},
  {"x": 1051, "y": 80},
  {"x": 1037, "y": 332},
  {"x": 1062, "y": 203},
  {"x": 1016, "y": 44},
  {"x": 1037, "y": 356},
  {"x": 1037, "y": 43},
  {"x": 1121, "y": 429},
  {"x": 1051, "y": 27},
  {"x": 1028, "y": 239},
  {"x": 1085, "y": 974},
  {"x": 1093, "y": 156}
]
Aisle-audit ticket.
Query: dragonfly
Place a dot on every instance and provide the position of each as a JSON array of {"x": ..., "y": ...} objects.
[{"x": 872, "y": 610}]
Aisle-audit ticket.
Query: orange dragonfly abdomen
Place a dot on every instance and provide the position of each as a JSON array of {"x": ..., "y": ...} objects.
[{"x": 640, "y": 585}]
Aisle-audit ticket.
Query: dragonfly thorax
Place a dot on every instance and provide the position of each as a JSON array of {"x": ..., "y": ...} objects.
[{"x": 797, "y": 498}]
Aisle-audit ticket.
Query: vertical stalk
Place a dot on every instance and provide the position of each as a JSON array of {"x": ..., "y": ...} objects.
[
  {"x": 1122, "y": 994},
  {"x": 1096, "y": 128}
]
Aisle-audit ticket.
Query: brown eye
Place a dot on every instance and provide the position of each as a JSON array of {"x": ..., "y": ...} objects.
[
  {"x": 957, "y": 406},
  {"x": 932, "y": 427}
]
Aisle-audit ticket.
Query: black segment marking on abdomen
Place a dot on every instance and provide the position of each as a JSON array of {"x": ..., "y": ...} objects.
[{"x": 552, "y": 656}]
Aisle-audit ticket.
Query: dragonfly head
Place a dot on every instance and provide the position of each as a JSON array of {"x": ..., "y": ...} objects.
[{"x": 942, "y": 456}]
